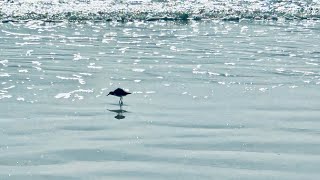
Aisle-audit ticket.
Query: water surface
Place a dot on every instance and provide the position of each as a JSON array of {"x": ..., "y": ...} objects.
[{"x": 211, "y": 99}]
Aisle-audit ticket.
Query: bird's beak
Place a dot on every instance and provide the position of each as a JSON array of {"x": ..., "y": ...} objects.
[{"x": 108, "y": 94}]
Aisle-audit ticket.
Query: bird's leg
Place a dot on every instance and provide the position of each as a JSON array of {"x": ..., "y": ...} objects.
[{"x": 121, "y": 102}]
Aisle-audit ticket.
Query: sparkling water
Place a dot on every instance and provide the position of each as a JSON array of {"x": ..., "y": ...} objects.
[{"x": 220, "y": 90}]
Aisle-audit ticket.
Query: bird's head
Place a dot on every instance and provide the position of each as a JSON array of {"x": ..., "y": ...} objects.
[{"x": 111, "y": 93}]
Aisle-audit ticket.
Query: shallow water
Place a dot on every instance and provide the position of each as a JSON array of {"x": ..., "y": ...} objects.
[{"x": 211, "y": 100}]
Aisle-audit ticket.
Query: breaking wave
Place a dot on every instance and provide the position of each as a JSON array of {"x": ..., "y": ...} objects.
[{"x": 128, "y": 10}]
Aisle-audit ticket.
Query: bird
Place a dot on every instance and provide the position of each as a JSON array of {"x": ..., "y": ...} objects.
[{"x": 120, "y": 93}]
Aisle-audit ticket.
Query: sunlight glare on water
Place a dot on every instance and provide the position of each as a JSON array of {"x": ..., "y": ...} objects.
[{"x": 211, "y": 99}]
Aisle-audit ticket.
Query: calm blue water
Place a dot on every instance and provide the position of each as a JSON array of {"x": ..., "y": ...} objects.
[{"x": 231, "y": 96}]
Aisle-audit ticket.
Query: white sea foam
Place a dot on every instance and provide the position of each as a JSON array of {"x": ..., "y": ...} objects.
[{"x": 256, "y": 119}]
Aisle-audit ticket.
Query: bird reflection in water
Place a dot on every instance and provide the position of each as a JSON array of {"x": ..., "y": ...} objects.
[{"x": 119, "y": 112}]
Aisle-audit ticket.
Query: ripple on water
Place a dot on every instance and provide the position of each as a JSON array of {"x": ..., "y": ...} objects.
[
  {"x": 3, "y": 96},
  {"x": 4, "y": 63},
  {"x": 69, "y": 94},
  {"x": 93, "y": 66},
  {"x": 76, "y": 77},
  {"x": 23, "y": 70},
  {"x": 138, "y": 70}
]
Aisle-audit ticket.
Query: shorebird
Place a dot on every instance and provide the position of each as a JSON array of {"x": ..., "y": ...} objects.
[{"x": 120, "y": 93}]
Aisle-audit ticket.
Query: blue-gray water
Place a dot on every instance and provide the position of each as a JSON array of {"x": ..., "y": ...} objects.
[{"x": 212, "y": 99}]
